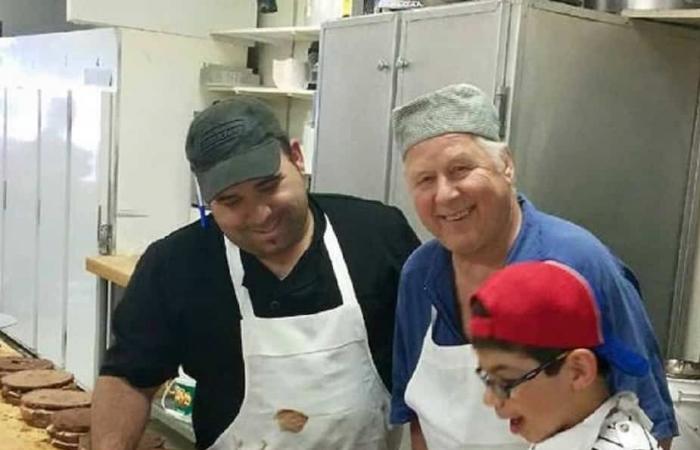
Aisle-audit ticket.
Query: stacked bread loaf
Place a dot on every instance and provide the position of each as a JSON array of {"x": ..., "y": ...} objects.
[{"x": 17, "y": 384}]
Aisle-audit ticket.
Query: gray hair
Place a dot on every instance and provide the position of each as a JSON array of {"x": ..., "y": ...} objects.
[{"x": 494, "y": 148}]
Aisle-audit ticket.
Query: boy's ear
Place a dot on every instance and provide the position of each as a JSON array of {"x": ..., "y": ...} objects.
[{"x": 583, "y": 368}]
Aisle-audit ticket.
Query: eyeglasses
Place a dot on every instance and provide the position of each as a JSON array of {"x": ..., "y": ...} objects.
[{"x": 502, "y": 390}]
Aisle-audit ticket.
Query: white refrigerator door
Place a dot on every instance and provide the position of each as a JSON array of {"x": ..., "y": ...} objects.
[
  {"x": 91, "y": 115},
  {"x": 53, "y": 224},
  {"x": 21, "y": 210},
  {"x": 3, "y": 125}
]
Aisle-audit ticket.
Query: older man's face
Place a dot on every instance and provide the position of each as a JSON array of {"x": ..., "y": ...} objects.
[{"x": 462, "y": 194}]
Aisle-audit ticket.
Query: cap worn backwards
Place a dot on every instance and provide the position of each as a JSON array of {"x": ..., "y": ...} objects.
[{"x": 548, "y": 305}]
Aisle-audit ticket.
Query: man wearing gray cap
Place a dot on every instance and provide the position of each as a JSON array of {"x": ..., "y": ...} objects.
[
  {"x": 461, "y": 178},
  {"x": 281, "y": 307}
]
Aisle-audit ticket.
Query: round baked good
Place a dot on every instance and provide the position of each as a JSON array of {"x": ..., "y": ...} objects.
[
  {"x": 12, "y": 364},
  {"x": 67, "y": 426},
  {"x": 19, "y": 383},
  {"x": 76, "y": 420},
  {"x": 56, "y": 399},
  {"x": 28, "y": 380},
  {"x": 38, "y": 407}
]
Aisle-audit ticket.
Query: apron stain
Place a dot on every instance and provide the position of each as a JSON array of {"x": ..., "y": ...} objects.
[{"x": 291, "y": 420}]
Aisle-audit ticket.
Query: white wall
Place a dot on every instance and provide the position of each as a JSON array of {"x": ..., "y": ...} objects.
[
  {"x": 33, "y": 16},
  {"x": 159, "y": 91}
]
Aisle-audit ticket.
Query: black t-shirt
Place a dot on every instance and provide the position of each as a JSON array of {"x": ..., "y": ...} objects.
[{"x": 180, "y": 308}]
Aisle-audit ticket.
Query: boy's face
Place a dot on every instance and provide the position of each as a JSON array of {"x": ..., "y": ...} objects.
[{"x": 537, "y": 408}]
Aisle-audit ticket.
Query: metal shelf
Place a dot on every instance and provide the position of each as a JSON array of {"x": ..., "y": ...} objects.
[
  {"x": 677, "y": 16},
  {"x": 262, "y": 91},
  {"x": 271, "y": 35}
]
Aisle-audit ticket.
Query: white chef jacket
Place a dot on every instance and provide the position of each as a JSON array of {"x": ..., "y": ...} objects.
[{"x": 618, "y": 424}]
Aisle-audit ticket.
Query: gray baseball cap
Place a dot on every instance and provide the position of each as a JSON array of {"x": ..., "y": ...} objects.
[
  {"x": 458, "y": 108},
  {"x": 232, "y": 141}
]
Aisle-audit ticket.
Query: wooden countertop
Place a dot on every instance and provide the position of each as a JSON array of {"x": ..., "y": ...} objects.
[
  {"x": 14, "y": 433},
  {"x": 114, "y": 268}
]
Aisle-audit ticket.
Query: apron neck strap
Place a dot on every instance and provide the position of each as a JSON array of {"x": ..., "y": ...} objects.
[{"x": 340, "y": 269}]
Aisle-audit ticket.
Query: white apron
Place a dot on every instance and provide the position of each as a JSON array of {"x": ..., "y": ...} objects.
[
  {"x": 317, "y": 366},
  {"x": 447, "y": 396}
]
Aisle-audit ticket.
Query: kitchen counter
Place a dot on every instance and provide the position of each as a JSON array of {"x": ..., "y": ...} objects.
[
  {"x": 14, "y": 433},
  {"x": 116, "y": 269}
]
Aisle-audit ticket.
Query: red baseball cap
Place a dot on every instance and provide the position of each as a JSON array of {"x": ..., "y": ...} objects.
[{"x": 547, "y": 304}]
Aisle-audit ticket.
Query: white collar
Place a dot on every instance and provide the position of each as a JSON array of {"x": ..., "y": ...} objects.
[{"x": 583, "y": 435}]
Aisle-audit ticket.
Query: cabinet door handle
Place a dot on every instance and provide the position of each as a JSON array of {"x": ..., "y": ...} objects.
[
  {"x": 402, "y": 63},
  {"x": 383, "y": 65}
]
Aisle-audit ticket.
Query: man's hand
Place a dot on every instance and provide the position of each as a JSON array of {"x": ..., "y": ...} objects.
[
  {"x": 665, "y": 444},
  {"x": 119, "y": 414},
  {"x": 417, "y": 439}
]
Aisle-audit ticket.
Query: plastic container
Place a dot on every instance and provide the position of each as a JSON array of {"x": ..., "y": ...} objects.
[
  {"x": 312, "y": 57},
  {"x": 178, "y": 397},
  {"x": 217, "y": 75}
]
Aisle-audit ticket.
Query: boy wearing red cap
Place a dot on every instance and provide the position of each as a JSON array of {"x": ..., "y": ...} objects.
[{"x": 536, "y": 329}]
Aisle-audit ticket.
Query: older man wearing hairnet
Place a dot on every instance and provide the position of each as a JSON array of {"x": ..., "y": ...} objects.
[{"x": 461, "y": 179}]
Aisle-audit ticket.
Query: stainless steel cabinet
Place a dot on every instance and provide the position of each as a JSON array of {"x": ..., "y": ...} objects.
[
  {"x": 602, "y": 126},
  {"x": 368, "y": 65},
  {"x": 356, "y": 85},
  {"x": 600, "y": 113}
]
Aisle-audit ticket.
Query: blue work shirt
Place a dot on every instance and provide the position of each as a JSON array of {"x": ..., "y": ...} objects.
[{"x": 427, "y": 279}]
